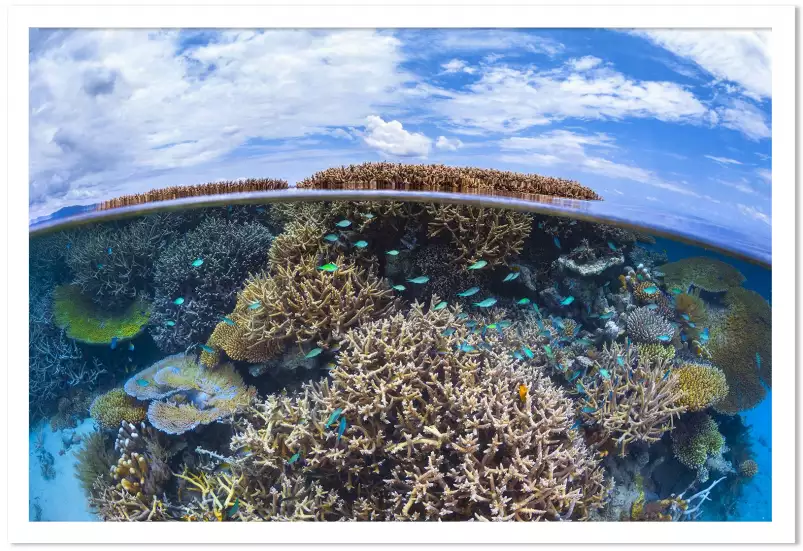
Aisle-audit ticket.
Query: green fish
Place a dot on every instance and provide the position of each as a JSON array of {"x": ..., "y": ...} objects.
[
  {"x": 605, "y": 374},
  {"x": 478, "y": 264},
  {"x": 462, "y": 316},
  {"x": 142, "y": 382},
  {"x": 511, "y": 276},
  {"x": 440, "y": 306},
  {"x": 469, "y": 292},
  {"x": 651, "y": 290},
  {"x": 361, "y": 244},
  {"x": 208, "y": 349},
  {"x": 234, "y": 508},
  {"x": 228, "y": 321},
  {"x": 589, "y": 410},
  {"x": 504, "y": 324},
  {"x": 487, "y": 303},
  {"x": 420, "y": 280},
  {"x": 523, "y": 301},
  {"x": 179, "y": 301},
  {"x": 170, "y": 323},
  {"x": 314, "y": 352},
  {"x": 333, "y": 417},
  {"x": 197, "y": 262},
  {"x": 567, "y": 301},
  {"x": 676, "y": 290},
  {"x": 254, "y": 305},
  {"x": 399, "y": 287},
  {"x": 328, "y": 267},
  {"x": 465, "y": 347},
  {"x": 606, "y": 315},
  {"x": 548, "y": 351},
  {"x": 294, "y": 458},
  {"x": 392, "y": 252},
  {"x": 368, "y": 216},
  {"x": 330, "y": 237},
  {"x": 448, "y": 332},
  {"x": 528, "y": 352},
  {"x": 343, "y": 224}
]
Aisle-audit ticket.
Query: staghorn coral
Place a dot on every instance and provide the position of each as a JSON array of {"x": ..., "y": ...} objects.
[
  {"x": 647, "y": 326},
  {"x": 494, "y": 235},
  {"x": 705, "y": 273},
  {"x": 445, "y": 277},
  {"x": 299, "y": 303},
  {"x": 695, "y": 439},
  {"x": 440, "y": 177},
  {"x": 446, "y": 428},
  {"x": 748, "y": 468},
  {"x": 229, "y": 253},
  {"x": 701, "y": 386},
  {"x": 648, "y": 353},
  {"x": 299, "y": 239},
  {"x": 115, "y": 406},
  {"x": 83, "y": 321},
  {"x": 627, "y": 400}
]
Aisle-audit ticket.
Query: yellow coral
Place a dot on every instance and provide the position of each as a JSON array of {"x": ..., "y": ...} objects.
[
  {"x": 695, "y": 439},
  {"x": 701, "y": 386},
  {"x": 648, "y": 353},
  {"x": 115, "y": 406},
  {"x": 706, "y": 273},
  {"x": 83, "y": 321},
  {"x": 299, "y": 238}
]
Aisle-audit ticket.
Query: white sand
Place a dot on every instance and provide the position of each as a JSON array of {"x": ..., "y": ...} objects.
[{"x": 61, "y": 498}]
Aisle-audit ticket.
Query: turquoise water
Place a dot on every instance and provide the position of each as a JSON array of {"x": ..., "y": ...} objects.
[{"x": 397, "y": 361}]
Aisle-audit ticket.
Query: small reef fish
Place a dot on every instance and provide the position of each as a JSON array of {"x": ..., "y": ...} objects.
[
  {"x": 361, "y": 244},
  {"x": 620, "y": 361},
  {"x": 333, "y": 417},
  {"x": 576, "y": 425},
  {"x": 676, "y": 290},
  {"x": 666, "y": 375},
  {"x": 685, "y": 317},
  {"x": 487, "y": 303},
  {"x": 330, "y": 366},
  {"x": 68, "y": 246},
  {"x": 606, "y": 315},
  {"x": 651, "y": 290},
  {"x": 441, "y": 305},
  {"x": 368, "y": 215},
  {"x": 523, "y": 301},
  {"x": 557, "y": 324},
  {"x": 197, "y": 262},
  {"x": 548, "y": 351},
  {"x": 254, "y": 305},
  {"x": 611, "y": 245},
  {"x": 343, "y": 224},
  {"x": 580, "y": 388},
  {"x": 100, "y": 266},
  {"x": 758, "y": 361},
  {"x": 471, "y": 323},
  {"x": 518, "y": 355},
  {"x": 341, "y": 428},
  {"x": 469, "y": 292},
  {"x": 314, "y": 352},
  {"x": 109, "y": 250},
  {"x": 504, "y": 324},
  {"x": 704, "y": 336},
  {"x": 399, "y": 287},
  {"x": 142, "y": 382},
  {"x": 556, "y": 241},
  {"x": 260, "y": 210},
  {"x": 652, "y": 306},
  {"x": 665, "y": 338},
  {"x": 113, "y": 344},
  {"x": 605, "y": 373},
  {"x": 330, "y": 237},
  {"x": 179, "y": 301},
  {"x": 589, "y": 409},
  {"x": 692, "y": 325},
  {"x": 465, "y": 347},
  {"x": 236, "y": 507},
  {"x": 583, "y": 342},
  {"x": 420, "y": 280},
  {"x": 448, "y": 332},
  {"x": 511, "y": 276},
  {"x": 576, "y": 374},
  {"x": 331, "y": 267},
  {"x": 523, "y": 392},
  {"x": 208, "y": 349},
  {"x": 640, "y": 277},
  {"x": 478, "y": 264},
  {"x": 294, "y": 458},
  {"x": 528, "y": 352},
  {"x": 567, "y": 301},
  {"x": 462, "y": 316},
  {"x": 228, "y": 321},
  {"x": 130, "y": 347},
  {"x": 392, "y": 252},
  {"x": 170, "y": 323},
  {"x": 537, "y": 310}
]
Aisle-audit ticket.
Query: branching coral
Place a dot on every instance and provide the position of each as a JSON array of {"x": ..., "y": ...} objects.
[
  {"x": 115, "y": 406},
  {"x": 647, "y": 326},
  {"x": 446, "y": 279},
  {"x": 93, "y": 460},
  {"x": 299, "y": 303},
  {"x": 299, "y": 239},
  {"x": 648, "y": 353},
  {"x": 701, "y": 386},
  {"x": 748, "y": 468},
  {"x": 447, "y": 427},
  {"x": 228, "y": 253},
  {"x": 84, "y": 321},
  {"x": 477, "y": 233},
  {"x": 629, "y": 400},
  {"x": 706, "y": 273},
  {"x": 696, "y": 438}
]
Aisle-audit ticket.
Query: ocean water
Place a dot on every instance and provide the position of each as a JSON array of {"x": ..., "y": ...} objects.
[{"x": 390, "y": 360}]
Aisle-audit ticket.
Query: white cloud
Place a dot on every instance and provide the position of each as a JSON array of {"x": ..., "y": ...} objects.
[
  {"x": 585, "y": 63},
  {"x": 457, "y": 66},
  {"x": 391, "y": 138},
  {"x": 448, "y": 144},
  {"x": 341, "y": 133},
  {"x": 745, "y": 118},
  {"x": 495, "y": 39},
  {"x": 723, "y": 160},
  {"x": 763, "y": 157},
  {"x": 765, "y": 174},
  {"x": 741, "y": 57},
  {"x": 755, "y": 213},
  {"x": 740, "y": 185}
]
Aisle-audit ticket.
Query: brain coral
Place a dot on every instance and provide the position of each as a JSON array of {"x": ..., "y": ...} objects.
[
  {"x": 115, "y": 406},
  {"x": 84, "y": 321},
  {"x": 228, "y": 252},
  {"x": 701, "y": 386},
  {"x": 299, "y": 303},
  {"x": 706, "y": 273},
  {"x": 647, "y": 326},
  {"x": 446, "y": 429},
  {"x": 696, "y": 438}
]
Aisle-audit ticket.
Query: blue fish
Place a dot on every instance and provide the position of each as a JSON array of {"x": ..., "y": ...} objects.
[
  {"x": 109, "y": 250},
  {"x": 567, "y": 301},
  {"x": 666, "y": 375},
  {"x": 478, "y": 265},
  {"x": 208, "y": 349},
  {"x": 333, "y": 417},
  {"x": 100, "y": 266},
  {"x": 131, "y": 346},
  {"x": 683, "y": 337},
  {"x": 392, "y": 252},
  {"x": 471, "y": 323},
  {"x": 114, "y": 343},
  {"x": 665, "y": 338},
  {"x": 179, "y": 301},
  {"x": 448, "y": 332},
  {"x": 330, "y": 237},
  {"x": 399, "y": 287},
  {"x": 604, "y": 373},
  {"x": 462, "y": 316},
  {"x": 170, "y": 323},
  {"x": 528, "y": 352},
  {"x": 540, "y": 324},
  {"x": 487, "y": 303},
  {"x": 69, "y": 245},
  {"x": 368, "y": 215},
  {"x": 254, "y": 305},
  {"x": 651, "y": 290},
  {"x": 611, "y": 245},
  {"x": 518, "y": 355},
  {"x": 620, "y": 361},
  {"x": 343, "y": 224},
  {"x": 469, "y": 292},
  {"x": 465, "y": 347},
  {"x": 758, "y": 361},
  {"x": 573, "y": 377},
  {"x": 606, "y": 315},
  {"x": 557, "y": 324},
  {"x": 236, "y": 507},
  {"x": 704, "y": 336},
  {"x": 228, "y": 321},
  {"x": 579, "y": 388},
  {"x": 685, "y": 317},
  {"x": 537, "y": 310},
  {"x": 504, "y": 324},
  {"x": 420, "y": 280},
  {"x": 556, "y": 241},
  {"x": 441, "y": 305},
  {"x": 511, "y": 276},
  {"x": 589, "y": 409},
  {"x": 361, "y": 244},
  {"x": 548, "y": 352},
  {"x": 142, "y": 382},
  {"x": 294, "y": 458},
  {"x": 341, "y": 428},
  {"x": 576, "y": 425},
  {"x": 523, "y": 301},
  {"x": 314, "y": 352},
  {"x": 197, "y": 262},
  {"x": 260, "y": 210},
  {"x": 692, "y": 325}
]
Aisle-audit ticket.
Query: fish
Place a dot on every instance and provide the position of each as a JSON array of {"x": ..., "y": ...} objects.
[
  {"x": 341, "y": 428},
  {"x": 142, "y": 382},
  {"x": 109, "y": 250},
  {"x": 665, "y": 338},
  {"x": 557, "y": 324},
  {"x": 333, "y": 417},
  {"x": 314, "y": 352},
  {"x": 758, "y": 361},
  {"x": 523, "y": 301},
  {"x": 462, "y": 316},
  {"x": 556, "y": 241},
  {"x": 523, "y": 392},
  {"x": 537, "y": 310},
  {"x": 420, "y": 280},
  {"x": 343, "y": 224},
  {"x": 465, "y": 347},
  {"x": 504, "y": 324},
  {"x": 399, "y": 287},
  {"x": 704, "y": 336},
  {"x": 392, "y": 252},
  {"x": 330, "y": 366},
  {"x": 528, "y": 352},
  {"x": 579, "y": 388},
  {"x": 469, "y": 292},
  {"x": 652, "y": 306},
  {"x": 294, "y": 458},
  {"x": 518, "y": 355},
  {"x": 576, "y": 374},
  {"x": 548, "y": 351},
  {"x": 511, "y": 276},
  {"x": 361, "y": 244},
  {"x": 197, "y": 262},
  {"x": 651, "y": 290},
  {"x": 208, "y": 349},
  {"x": 170, "y": 323},
  {"x": 236, "y": 507},
  {"x": 254, "y": 305},
  {"x": 692, "y": 325},
  {"x": 448, "y": 332},
  {"x": 685, "y": 317},
  {"x": 179, "y": 301},
  {"x": 487, "y": 303},
  {"x": 130, "y": 346},
  {"x": 606, "y": 315},
  {"x": 68, "y": 246},
  {"x": 441, "y": 305},
  {"x": 605, "y": 373},
  {"x": 583, "y": 342},
  {"x": 368, "y": 215},
  {"x": 676, "y": 290},
  {"x": 113, "y": 344},
  {"x": 471, "y": 323},
  {"x": 260, "y": 210},
  {"x": 330, "y": 237},
  {"x": 576, "y": 425},
  {"x": 331, "y": 267},
  {"x": 228, "y": 321},
  {"x": 567, "y": 301},
  {"x": 611, "y": 245},
  {"x": 100, "y": 266},
  {"x": 666, "y": 375},
  {"x": 478, "y": 264},
  {"x": 589, "y": 409}
]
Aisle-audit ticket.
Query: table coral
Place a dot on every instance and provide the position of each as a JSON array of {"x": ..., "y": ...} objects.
[
  {"x": 111, "y": 408},
  {"x": 701, "y": 386},
  {"x": 85, "y": 322},
  {"x": 706, "y": 273}
]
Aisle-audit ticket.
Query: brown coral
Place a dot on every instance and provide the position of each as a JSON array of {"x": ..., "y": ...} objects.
[
  {"x": 701, "y": 386},
  {"x": 706, "y": 273},
  {"x": 111, "y": 408},
  {"x": 748, "y": 468}
]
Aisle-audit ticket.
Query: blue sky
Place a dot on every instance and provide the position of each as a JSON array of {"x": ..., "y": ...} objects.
[{"x": 674, "y": 119}]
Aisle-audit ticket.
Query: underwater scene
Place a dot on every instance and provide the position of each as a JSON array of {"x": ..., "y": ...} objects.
[{"x": 393, "y": 360}]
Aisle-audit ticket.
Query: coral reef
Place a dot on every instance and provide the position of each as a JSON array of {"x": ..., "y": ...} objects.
[
  {"x": 113, "y": 407},
  {"x": 695, "y": 439},
  {"x": 84, "y": 321},
  {"x": 94, "y": 458},
  {"x": 705, "y": 273},
  {"x": 647, "y": 353},
  {"x": 748, "y": 468},
  {"x": 701, "y": 386},
  {"x": 647, "y": 326}
]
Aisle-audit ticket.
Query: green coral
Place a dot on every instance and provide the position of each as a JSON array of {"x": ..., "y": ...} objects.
[
  {"x": 706, "y": 273},
  {"x": 86, "y": 322},
  {"x": 95, "y": 458},
  {"x": 114, "y": 407},
  {"x": 651, "y": 352},
  {"x": 695, "y": 438}
]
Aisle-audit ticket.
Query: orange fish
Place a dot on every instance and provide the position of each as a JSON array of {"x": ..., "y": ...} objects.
[{"x": 523, "y": 392}]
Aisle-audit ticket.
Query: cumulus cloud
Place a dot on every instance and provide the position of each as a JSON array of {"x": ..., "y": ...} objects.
[
  {"x": 743, "y": 117},
  {"x": 448, "y": 144},
  {"x": 391, "y": 138},
  {"x": 585, "y": 63},
  {"x": 457, "y": 66},
  {"x": 741, "y": 57},
  {"x": 723, "y": 160}
]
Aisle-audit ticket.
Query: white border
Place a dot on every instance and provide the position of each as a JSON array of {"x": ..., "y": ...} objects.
[{"x": 780, "y": 19}]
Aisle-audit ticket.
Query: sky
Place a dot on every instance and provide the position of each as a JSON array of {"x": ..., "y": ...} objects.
[{"x": 668, "y": 119}]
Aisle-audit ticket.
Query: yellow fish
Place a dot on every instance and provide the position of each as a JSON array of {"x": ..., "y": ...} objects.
[{"x": 523, "y": 392}]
